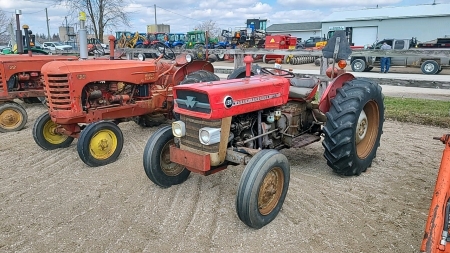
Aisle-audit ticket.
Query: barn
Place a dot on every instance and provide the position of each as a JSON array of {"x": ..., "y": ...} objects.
[
  {"x": 425, "y": 22},
  {"x": 300, "y": 30}
]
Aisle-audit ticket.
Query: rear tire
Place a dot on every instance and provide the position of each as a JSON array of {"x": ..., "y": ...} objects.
[
  {"x": 240, "y": 72},
  {"x": 263, "y": 188},
  {"x": 354, "y": 126},
  {"x": 157, "y": 165}
]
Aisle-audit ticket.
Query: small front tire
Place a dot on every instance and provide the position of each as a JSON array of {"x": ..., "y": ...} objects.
[
  {"x": 157, "y": 165},
  {"x": 100, "y": 143},
  {"x": 13, "y": 117},
  {"x": 44, "y": 134},
  {"x": 263, "y": 188}
]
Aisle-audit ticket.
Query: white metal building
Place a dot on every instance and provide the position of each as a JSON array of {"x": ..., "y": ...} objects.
[
  {"x": 300, "y": 30},
  {"x": 425, "y": 22}
]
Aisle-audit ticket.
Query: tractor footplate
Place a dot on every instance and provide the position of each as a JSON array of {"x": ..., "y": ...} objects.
[{"x": 304, "y": 140}]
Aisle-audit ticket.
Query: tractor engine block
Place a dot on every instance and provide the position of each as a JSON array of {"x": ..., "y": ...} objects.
[
  {"x": 100, "y": 94},
  {"x": 25, "y": 81},
  {"x": 277, "y": 127}
]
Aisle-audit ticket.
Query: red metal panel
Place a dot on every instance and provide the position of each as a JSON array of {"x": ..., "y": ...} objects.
[
  {"x": 192, "y": 161},
  {"x": 247, "y": 94}
]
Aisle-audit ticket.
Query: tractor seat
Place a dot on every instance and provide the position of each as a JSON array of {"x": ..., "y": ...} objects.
[
  {"x": 303, "y": 82},
  {"x": 301, "y": 87}
]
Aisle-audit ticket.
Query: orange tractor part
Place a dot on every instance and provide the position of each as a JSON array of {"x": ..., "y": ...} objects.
[
  {"x": 20, "y": 78},
  {"x": 436, "y": 236}
]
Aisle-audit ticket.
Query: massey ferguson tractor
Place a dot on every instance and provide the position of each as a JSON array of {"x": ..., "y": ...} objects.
[
  {"x": 87, "y": 99},
  {"x": 436, "y": 236},
  {"x": 20, "y": 78},
  {"x": 248, "y": 121}
]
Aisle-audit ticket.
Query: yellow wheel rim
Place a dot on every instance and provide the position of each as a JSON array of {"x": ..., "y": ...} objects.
[
  {"x": 367, "y": 129},
  {"x": 103, "y": 144},
  {"x": 50, "y": 135},
  {"x": 270, "y": 191},
  {"x": 10, "y": 119}
]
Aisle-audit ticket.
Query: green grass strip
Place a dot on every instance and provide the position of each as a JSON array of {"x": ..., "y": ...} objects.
[{"x": 419, "y": 111}]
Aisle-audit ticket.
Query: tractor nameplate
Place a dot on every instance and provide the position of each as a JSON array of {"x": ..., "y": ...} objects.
[{"x": 255, "y": 99}]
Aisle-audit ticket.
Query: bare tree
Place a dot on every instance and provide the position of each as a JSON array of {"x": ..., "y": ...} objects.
[
  {"x": 100, "y": 13},
  {"x": 4, "y": 22},
  {"x": 213, "y": 29}
]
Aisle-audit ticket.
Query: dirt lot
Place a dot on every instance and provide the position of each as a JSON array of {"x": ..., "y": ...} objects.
[{"x": 50, "y": 201}]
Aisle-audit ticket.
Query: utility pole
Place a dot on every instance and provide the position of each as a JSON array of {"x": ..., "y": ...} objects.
[
  {"x": 156, "y": 24},
  {"x": 48, "y": 27}
]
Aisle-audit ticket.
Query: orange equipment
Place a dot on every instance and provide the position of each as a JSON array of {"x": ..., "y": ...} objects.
[{"x": 436, "y": 234}]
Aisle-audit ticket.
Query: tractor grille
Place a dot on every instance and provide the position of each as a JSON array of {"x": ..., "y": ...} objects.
[
  {"x": 191, "y": 138},
  {"x": 193, "y": 101},
  {"x": 58, "y": 92},
  {"x": 1, "y": 83}
]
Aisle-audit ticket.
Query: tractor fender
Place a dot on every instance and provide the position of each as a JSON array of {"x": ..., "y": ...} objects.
[
  {"x": 330, "y": 92},
  {"x": 188, "y": 68}
]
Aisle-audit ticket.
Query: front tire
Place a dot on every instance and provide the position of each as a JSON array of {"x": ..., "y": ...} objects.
[
  {"x": 157, "y": 165},
  {"x": 263, "y": 188},
  {"x": 430, "y": 67},
  {"x": 358, "y": 65},
  {"x": 44, "y": 134},
  {"x": 354, "y": 127},
  {"x": 100, "y": 143},
  {"x": 13, "y": 117}
]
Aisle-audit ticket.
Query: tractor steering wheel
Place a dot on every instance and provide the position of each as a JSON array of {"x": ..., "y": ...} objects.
[
  {"x": 277, "y": 72},
  {"x": 161, "y": 47}
]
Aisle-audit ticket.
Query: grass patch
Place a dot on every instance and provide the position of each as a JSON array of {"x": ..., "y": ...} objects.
[{"x": 419, "y": 111}]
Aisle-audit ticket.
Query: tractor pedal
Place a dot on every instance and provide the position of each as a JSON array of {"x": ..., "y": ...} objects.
[{"x": 303, "y": 140}]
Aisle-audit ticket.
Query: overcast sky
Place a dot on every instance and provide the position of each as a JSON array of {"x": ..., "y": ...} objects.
[{"x": 184, "y": 15}]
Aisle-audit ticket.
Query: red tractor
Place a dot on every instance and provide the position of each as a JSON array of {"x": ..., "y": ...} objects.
[
  {"x": 87, "y": 100},
  {"x": 20, "y": 78},
  {"x": 248, "y": 121}
]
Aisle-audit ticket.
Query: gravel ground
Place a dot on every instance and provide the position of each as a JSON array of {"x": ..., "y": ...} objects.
[{"x": 50, "y": 201}]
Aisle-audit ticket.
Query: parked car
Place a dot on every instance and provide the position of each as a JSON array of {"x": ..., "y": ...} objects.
[
  {"x": 311, "y": 42},
  {"x": 56, "y": 46}
]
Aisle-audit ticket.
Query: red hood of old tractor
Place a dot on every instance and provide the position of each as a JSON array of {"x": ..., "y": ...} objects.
[
  {"x": 14, "y": 63},
  {"x": 220, "y": 99},
  {"x": 104, "y": 70}
]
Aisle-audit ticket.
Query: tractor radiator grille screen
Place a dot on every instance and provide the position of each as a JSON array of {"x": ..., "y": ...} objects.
[
  {"x": 193, "y": 101},
  {"x": 1, "y": 82},
  {"x": 191, "y": 138},
  {"x": 58, "y": 92}
]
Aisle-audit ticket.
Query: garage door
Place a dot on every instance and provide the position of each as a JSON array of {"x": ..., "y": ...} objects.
[{"x": 364, "y": 35}]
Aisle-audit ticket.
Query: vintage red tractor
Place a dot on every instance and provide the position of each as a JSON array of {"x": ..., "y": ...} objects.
[
  {"x": 87, "y": 99},
  {"x": 20, "y": 78},
  {"x": 437, "y": 236},
  {"x": 248, "y": 121}
]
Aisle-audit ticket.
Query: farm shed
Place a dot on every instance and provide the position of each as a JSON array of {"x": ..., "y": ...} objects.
[{"x": 300, "y": 30}]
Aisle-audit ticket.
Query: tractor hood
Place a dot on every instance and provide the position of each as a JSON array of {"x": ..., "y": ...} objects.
[
  {"x": 12, "y": 64},
  {"x": 220, "y": 99},
  {"x": 132, "y": 71}
]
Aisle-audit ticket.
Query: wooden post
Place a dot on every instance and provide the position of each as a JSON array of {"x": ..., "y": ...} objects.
[
  {"x": 238, "y": 60},
  {"x": 323, "y": 69}
]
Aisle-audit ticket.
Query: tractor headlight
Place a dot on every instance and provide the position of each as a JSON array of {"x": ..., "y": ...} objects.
[
  {"x": 141, "y": 57},
  {"x": 178, "y": 129},
  {"x": 209, "y": 136},
  {"x": 188, "y": 58}
]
